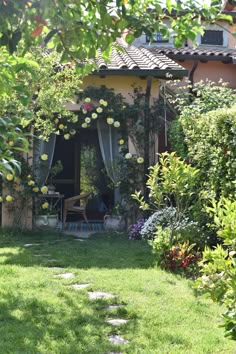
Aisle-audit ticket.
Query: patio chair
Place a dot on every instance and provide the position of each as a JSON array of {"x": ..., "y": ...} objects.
[{"x": 76, "y": 205}]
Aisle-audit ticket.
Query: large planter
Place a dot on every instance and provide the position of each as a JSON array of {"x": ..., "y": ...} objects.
[
  {"x": 46, "y": 221},
  {"x": 114, "y": 223}
]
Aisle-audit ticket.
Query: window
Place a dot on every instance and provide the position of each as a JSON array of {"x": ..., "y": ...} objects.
[
  {"x": 157, "y": 38},
  {"x": 212, "y": 37}
]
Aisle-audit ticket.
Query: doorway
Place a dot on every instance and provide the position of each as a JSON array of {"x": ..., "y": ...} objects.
[{"x": 83, "y": 171}]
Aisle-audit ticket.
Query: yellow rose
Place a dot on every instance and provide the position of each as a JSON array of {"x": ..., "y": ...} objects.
[
  {"x": 140, "y": 160},
  {"x": 87, "y": 120},
  {"x": 110, "y": 121},
  {"x": 36, "y": 189},
  {"x": 44, "y": 157},
  {"x": 11, "y": 143},
  {"x": 31, "y": 183},
  {"x": 105, "y": 103},
  {"x": 1, "y": 199},
  {"x": 99, "y": 110},
  {"x": 87, "y": 100},
  {"x": 45, "y": 205},
  {"x": 67, "y": 136},
  {"x": 9, "y": 198},
  {"x": 84, "y": 111},
  {"x": 94, "y": 115},
  {"x": 61, "y": 126},
  {"x": 84, "y": 125},
  {"x": 101, "y": 101},
  {"x": 56, "y": 120},
  {"x": 29, "y": 176},
  {"x": 128, "y": 156},
  {"x": 72, "y": 131},
  {"x": 117, "y": 124},
  {"x": 121, "y": 142},
  {"x": 44, "y": 189},
  {"x": 10, "y": 177}
]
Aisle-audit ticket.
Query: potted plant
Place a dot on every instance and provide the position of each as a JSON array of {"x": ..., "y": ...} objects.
[
  {"x": 46, "y": 215},
  {"x": 115, "y": 220},
  {"x": 54, "y": 171}
]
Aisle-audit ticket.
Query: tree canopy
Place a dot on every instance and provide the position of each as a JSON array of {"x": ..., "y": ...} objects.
[{"x": 77, "y": 28}]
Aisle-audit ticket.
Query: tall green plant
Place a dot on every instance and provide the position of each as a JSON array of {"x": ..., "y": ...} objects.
[
  {"x": 170, "y": 182},
  {"x": 219, "y": 265}
]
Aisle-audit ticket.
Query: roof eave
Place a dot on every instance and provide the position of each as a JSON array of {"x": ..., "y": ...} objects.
[
  {"x": 159, "y": 74},
  {"x": 225, "y": 59}
]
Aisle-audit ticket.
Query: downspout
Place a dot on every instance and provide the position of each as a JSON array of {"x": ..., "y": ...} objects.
[
  {"x": 147, "y": 134},
  {"x": 191, "y": 76}
]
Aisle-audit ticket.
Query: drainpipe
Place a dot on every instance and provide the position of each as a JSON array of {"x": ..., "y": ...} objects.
[
  {"x": 147, "y": 134},
  {"x": 191, "y": 76}
]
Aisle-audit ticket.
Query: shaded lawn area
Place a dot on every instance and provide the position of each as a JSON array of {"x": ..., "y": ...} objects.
[{"x": 40, "y": 313}]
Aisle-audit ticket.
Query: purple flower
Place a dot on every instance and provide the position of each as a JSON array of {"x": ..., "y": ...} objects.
[{"x": 134, "y": 232}]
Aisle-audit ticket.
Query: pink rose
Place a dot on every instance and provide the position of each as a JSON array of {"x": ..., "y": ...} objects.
[{"x": 88, "y": 107}]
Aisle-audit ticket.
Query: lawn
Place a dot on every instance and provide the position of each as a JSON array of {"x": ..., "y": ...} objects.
[{"x": 41, "y": 313}]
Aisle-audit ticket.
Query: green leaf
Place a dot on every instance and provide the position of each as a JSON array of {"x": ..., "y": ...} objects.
[{"x": 169, "y": 5}]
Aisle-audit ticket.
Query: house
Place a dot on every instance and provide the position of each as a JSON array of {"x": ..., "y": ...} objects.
[
  {"x": 128, "y": 67},
  {"x": 214, "y": 57}
]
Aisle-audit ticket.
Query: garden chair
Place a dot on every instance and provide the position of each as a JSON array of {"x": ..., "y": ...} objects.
[{"x": 76, "y": 205}]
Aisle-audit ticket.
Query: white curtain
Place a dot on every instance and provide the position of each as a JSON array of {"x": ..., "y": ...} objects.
[
  {"x": 42, "y": 168},
  {"x": 108, "y": 141}
]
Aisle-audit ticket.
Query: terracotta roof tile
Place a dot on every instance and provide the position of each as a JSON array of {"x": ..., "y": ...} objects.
[
  {"x": 210, "y": 53},
  {"x": 129, "y": 57}
]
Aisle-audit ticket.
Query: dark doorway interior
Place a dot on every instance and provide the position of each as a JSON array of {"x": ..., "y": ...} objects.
[{"x": 83, "y": 170}]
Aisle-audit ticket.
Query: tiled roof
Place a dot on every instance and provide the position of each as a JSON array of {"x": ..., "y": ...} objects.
[
  {"x": 202, "y": 53},
  {"x": 130, "y": 59}
]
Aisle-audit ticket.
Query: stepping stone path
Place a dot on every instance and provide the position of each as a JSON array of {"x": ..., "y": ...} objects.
[
  {"x": 115, "y": 339},
  {"x": 80, "y": 286},
  {"x": 113, "y": 307},
  {"x": 65, "y": 275},
  {"x": 117, "y": 321},
  {"x": 98, "y": 295}
]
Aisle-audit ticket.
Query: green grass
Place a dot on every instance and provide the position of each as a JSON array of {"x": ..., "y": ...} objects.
[{"x": 40, "y": 313}]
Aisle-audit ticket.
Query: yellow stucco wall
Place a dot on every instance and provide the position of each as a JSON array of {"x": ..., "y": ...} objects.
[{"x": 122, "y": 84}]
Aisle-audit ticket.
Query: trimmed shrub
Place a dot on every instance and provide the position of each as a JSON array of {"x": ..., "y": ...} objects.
[{"x": 210, "y": 139}]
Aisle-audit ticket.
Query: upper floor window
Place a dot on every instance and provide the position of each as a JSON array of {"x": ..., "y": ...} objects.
[
  {"x": 157, "y": 38},
  {"x": 212, "y": 37}
]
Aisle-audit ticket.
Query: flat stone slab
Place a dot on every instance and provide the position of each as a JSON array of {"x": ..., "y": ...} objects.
[
  {"x": 80, "y": 286},
  {"x": 97, "y": 295},
  {"x": 79, "y": 234},
  {"x": 117, "y": 321},
  {"x": 42, "y": 255},
  {"x": 65, "y": 275},
  {"x": 115, "y": 339},
  {"x": 56, "y": 268},
  {"x": 32, "y": 244},
  {"x": 113, "y": 307}
]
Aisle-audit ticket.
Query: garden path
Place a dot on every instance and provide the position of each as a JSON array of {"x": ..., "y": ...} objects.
[{"x": 100, "y": 295}]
